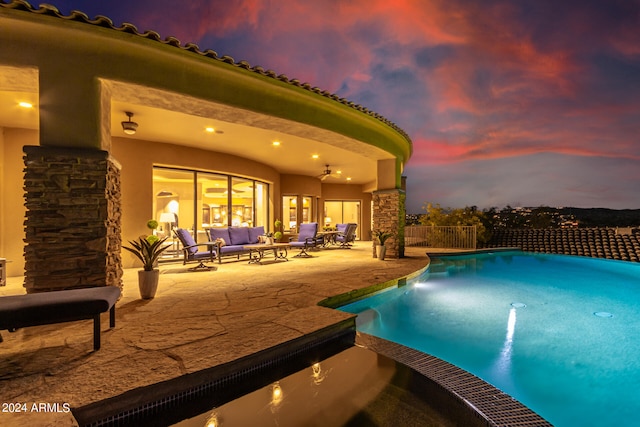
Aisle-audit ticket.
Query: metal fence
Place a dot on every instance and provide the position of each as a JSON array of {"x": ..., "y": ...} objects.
[{"x": 445, "y": 237}]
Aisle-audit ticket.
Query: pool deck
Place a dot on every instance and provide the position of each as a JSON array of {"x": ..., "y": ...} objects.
[{"x": 197, "y": 320}]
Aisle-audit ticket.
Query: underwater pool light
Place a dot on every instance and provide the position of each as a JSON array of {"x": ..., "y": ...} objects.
[{"x": 603, "y": 314}]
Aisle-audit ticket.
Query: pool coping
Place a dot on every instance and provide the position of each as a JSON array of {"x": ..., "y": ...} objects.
[
  {"x": 220, "y": 383},
  {"x": 339, "y": 300},
  {"x": 474, "y": 252},
  {"x": 493, "y": 406}
]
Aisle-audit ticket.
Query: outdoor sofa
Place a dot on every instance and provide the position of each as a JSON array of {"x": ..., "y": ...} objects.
[{"x": 233, "y": 239}]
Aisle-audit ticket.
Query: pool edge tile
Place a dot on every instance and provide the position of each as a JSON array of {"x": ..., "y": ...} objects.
[{"x": 491, "y": 404}]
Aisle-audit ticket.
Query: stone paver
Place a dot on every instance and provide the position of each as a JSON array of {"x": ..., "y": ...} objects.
[{"x": 196, "y": 321}]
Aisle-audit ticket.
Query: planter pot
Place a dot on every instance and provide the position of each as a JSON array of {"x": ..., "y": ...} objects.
[
  {"x": 381, "y": 251},
  {"x": 148, "y": 283},
  {"x": 268, "y": 241}
]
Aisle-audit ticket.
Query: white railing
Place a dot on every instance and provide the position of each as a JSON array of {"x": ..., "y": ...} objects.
[{"x": 445, "y": 237}]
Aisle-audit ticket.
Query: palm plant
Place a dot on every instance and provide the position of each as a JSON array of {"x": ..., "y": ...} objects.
[
  {"x": 382, "y": 236},
  {"x": 147, "y": 249}
]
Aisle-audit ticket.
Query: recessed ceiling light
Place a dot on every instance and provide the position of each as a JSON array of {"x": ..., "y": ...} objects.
[
  {"x": 348, "y": 178},
  {"x": 338, "y": 172},
  {"x": 209, "y": 129},
  {"x": 25, "y": 104},
  {"x": 276, "y": 143},
  {"x": 315, "y": 156}
]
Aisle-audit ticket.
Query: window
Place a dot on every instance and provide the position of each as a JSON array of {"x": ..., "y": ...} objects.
[
  {"x": 290, "y": 213},
  {"x": 307, "y": 209},
  {"x": 203, "y": 200}
]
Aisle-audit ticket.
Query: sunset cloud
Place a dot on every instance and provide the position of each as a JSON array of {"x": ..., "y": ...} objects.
[{"x": 485, "y": 88}]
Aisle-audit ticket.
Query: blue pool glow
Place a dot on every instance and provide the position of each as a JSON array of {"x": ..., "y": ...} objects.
[{"x": 558, "y": 333}]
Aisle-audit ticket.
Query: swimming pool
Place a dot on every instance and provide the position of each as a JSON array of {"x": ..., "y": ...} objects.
[{"x": 556, "y": 332}]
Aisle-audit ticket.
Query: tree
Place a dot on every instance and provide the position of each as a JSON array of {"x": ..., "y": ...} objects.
[{"x": 470, "y": 215}]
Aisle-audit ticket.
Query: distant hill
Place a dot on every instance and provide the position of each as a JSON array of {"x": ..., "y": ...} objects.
[
  {"x": 602, "y": 217},
  {"x": 548, "y": 217}
]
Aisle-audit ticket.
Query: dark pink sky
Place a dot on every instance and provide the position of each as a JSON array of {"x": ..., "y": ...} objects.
[{"x": 527, "y": 103}]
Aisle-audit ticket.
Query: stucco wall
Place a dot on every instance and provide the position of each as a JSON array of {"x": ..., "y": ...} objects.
[
  {"x": 301, "y": 185},
  {"x": 12, "y": 209},
  {"x": 2, "y": 189}
]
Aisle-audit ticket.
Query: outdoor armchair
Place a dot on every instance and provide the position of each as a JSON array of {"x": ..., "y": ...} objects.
[
  {"x": 346, "y": 235},
  {"x": 191, "y": 251},
  {"x": 307, "y": 238}
]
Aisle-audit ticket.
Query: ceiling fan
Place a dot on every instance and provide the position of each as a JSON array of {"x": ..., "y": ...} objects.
[{"x": 327, "y": 173}]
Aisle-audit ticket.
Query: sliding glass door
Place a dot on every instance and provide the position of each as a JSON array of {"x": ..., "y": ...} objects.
[
  {"x": 342, "y": 212},
  {"x": 201, "y": 200}
]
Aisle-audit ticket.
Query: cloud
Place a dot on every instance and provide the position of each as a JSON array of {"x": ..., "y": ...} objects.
[{"x": 471, "y": 81}]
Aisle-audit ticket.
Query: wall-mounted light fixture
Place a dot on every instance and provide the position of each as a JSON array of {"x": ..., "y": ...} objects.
[{"x": 129, "y": 127}]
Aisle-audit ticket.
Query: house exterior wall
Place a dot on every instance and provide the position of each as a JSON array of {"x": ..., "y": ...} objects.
[
  {"x": 137, "y": 158},
  {"x": 82, "y": 67},
  {"x": 12, "y": 209}
]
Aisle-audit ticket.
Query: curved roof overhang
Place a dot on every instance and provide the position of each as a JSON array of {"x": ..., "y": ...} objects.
[{"x": 175, "y": 91}]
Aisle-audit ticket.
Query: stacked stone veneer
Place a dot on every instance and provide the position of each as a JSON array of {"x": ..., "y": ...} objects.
[
  {"x": 72, "y": 220},
  {"x": 592, "y": 242},
  {"x": 388, "y": 215}
]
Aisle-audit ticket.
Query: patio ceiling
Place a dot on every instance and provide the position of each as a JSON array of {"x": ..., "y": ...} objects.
[{"x": 176, "y": 119}]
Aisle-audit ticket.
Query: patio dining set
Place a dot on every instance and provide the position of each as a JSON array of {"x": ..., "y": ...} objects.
[{"x": 226, "y": 242}]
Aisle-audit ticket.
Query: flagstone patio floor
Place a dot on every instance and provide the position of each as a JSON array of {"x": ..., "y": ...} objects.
[{"x": 197, "y": 320}]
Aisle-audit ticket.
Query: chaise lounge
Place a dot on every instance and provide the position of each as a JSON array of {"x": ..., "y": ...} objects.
[{"x": 21, "y": 311}]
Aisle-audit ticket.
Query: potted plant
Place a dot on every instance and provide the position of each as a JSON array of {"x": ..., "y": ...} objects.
[
  {"x": 148, "y": 249},
  {"x": 382, "y": 237},
  {"x": 278, "y": 234}
]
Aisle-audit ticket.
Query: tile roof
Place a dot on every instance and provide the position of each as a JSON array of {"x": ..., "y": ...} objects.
[{"x": 103, "y": 21}]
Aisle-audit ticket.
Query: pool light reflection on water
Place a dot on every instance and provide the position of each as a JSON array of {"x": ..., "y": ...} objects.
[
  {"x": 556, "y": 332},
  {"x": 354, "y": 387}
]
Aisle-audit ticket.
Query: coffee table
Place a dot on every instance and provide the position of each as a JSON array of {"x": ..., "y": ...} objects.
[
  {"x": 328, "y": 237},
  {"x": 257, "y": 252}
]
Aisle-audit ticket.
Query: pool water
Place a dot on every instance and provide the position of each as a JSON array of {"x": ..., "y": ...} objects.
[
  {"x": 558, "y": 333},
  {"x": 355, "y": 387}
]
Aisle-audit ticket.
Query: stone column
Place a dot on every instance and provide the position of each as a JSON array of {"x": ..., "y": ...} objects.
[
  {"x": 72, "y": 221},
  {"x": 389, "y": 215}
]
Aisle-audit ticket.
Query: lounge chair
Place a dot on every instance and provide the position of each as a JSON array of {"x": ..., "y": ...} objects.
[
  {"x": 347, "y": 234},
  {"x": 191, "y": 252},
  {"x": 307, "y": 238}
]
